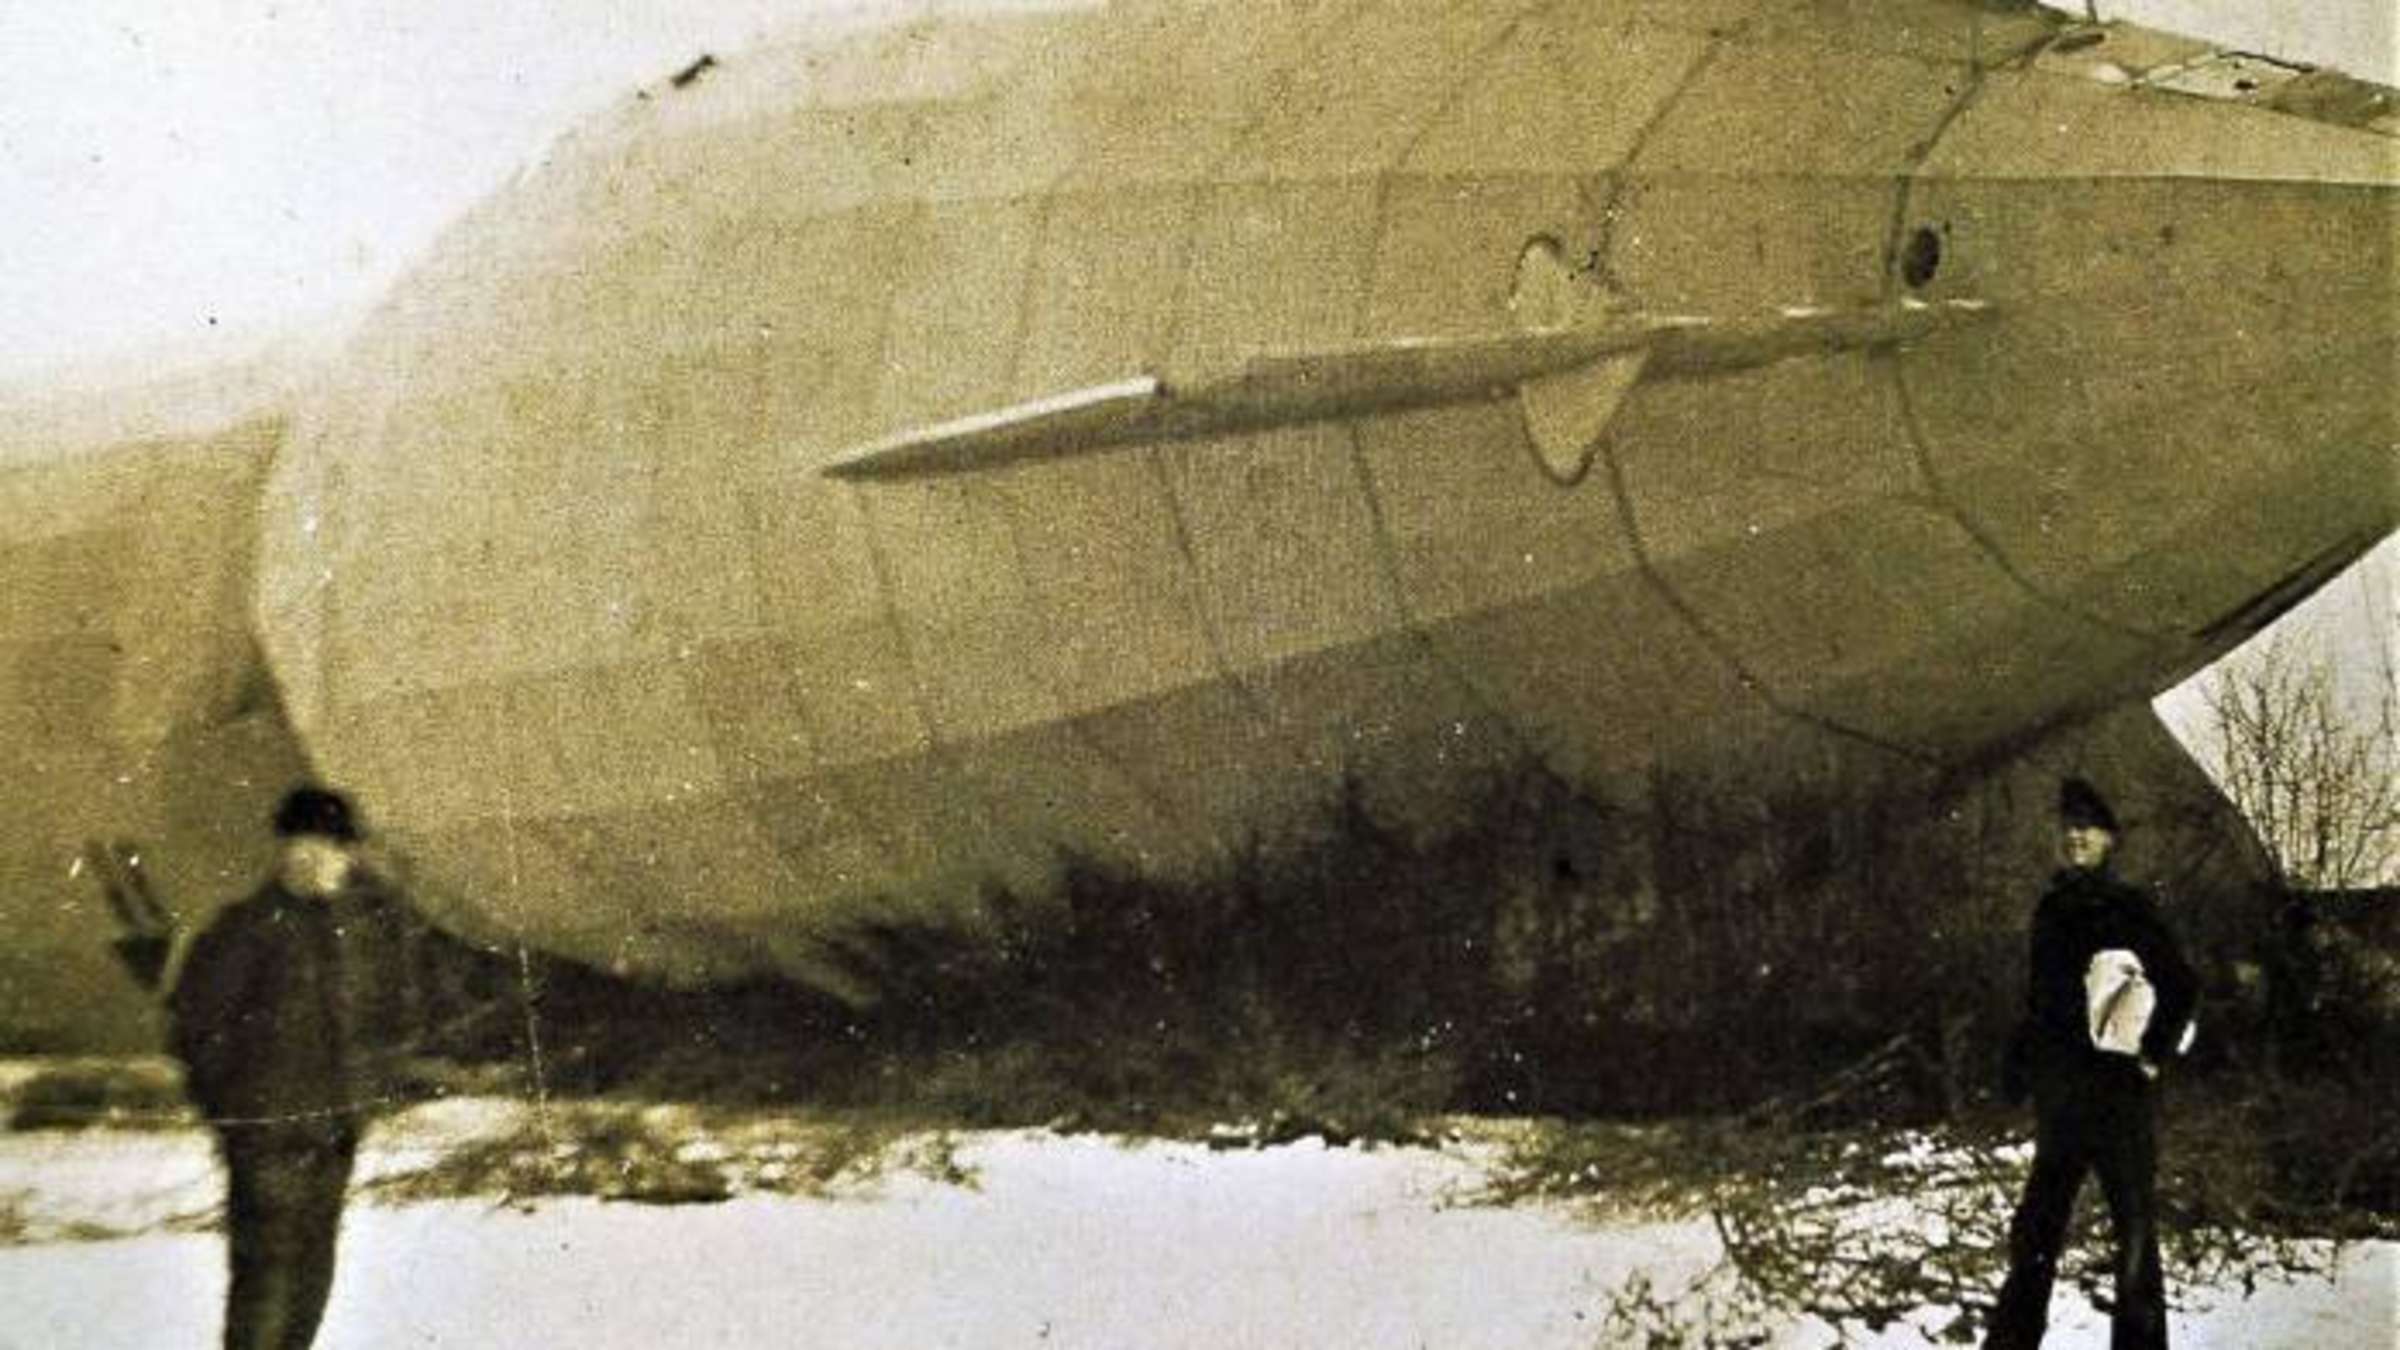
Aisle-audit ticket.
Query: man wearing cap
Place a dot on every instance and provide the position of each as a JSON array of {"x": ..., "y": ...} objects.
[
  {"x": 283, "y": 1010},
  {"x": 2098, "y": 948}
]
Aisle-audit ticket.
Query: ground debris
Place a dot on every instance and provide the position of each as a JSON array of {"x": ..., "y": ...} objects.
[
  {"x": 663, "y": 1154},
  {"x": 1868, "y": 1229}
]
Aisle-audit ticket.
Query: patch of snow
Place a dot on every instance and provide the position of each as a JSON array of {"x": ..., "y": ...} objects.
[
  {"x": 63, "y": 1187},
  {"x": 1076, "y": 1241}
]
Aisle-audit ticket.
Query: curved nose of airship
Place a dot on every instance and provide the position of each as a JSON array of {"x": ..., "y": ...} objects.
[{"x": 2187, "y": 414}]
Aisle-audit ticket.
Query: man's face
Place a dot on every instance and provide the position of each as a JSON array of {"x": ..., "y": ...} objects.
[
  {"x": 313, "y": 864},
  {"x": 2086, "y": 846}
]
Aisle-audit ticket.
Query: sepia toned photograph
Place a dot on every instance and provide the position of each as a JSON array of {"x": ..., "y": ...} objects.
[{"x": 1249, "y": 674}]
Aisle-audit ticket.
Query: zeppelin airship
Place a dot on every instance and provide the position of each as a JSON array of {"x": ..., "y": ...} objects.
[{"x": 855, "y": 475}]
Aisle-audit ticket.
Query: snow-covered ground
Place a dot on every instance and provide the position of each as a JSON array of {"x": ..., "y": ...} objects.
[{"x": 1054, "y": 1241}]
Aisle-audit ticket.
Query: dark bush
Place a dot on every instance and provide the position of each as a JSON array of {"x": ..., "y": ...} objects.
[
  {"x": 1702, "y": 948},
  {"x": 89, "y": 1094}
]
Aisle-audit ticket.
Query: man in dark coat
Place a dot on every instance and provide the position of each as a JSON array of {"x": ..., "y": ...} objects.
[
  {"x": 285, "y": 1011},
  {"x": 2092, "y": 1078}
]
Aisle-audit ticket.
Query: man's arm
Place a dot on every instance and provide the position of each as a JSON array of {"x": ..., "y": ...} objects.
[
  {"x": 394, "y": 1023},
  {"x": 2176, "y": 984},
  {"x": 2016, "y": 1061},
  {"x": 210, "y": 993}
]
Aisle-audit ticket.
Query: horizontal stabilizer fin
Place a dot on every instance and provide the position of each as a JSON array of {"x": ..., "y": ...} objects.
[{"x": 1571, "y": 380}]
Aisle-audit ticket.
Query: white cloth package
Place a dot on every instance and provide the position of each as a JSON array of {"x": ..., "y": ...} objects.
[{"x": 2118, "y": 1000}]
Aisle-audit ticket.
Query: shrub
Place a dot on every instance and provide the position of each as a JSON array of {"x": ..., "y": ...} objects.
[
  {"x": 1700, "y": 947},
  {"x": 88, "y": 1094}
]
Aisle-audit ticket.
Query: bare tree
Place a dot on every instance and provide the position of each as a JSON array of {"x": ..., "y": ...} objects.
[{"x": 2316, "y": 773}]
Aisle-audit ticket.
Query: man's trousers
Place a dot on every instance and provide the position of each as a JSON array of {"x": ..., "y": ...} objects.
[
  {"x": 2100, "y": 1119},
  {"x": 283, "y": 1211}
]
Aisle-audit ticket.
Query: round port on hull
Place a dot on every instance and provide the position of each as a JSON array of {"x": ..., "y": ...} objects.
[{"x": 1921, "y": 257}]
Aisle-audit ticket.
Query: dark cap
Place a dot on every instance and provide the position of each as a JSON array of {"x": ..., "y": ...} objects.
[
  {"x": 309, "y": 809},
  {"x": 2079, "y": 803}
]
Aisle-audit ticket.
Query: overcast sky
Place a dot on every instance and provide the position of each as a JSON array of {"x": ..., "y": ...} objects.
[{"x": 211, "y": 170}]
